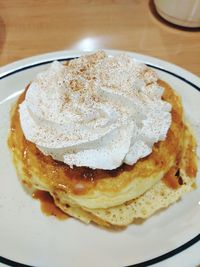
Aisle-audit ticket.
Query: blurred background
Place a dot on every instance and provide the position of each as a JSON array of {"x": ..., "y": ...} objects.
[{"x": 31, "y": 27}]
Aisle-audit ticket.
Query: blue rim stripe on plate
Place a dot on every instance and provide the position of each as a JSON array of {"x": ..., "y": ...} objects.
[
  {"x": 66, "y": 59},
  {"x": 141, "y": 264}
]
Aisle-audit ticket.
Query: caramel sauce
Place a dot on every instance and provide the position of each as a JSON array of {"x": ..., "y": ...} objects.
[
  {"x": 171, "y": 180},
  {"x": 48, "y": 206},
  {"x": 190, "y": 160},
  {"x": 80, "y": 180},
  {"x": 189, "y": 164}
]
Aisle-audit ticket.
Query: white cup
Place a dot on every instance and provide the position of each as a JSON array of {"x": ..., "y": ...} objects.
[{"x": 180, "y": 12}]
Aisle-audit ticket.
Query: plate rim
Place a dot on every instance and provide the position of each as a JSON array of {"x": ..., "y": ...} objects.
[
  {"x": 8, "y": 68},
  {"x": 43, "y": 59}
]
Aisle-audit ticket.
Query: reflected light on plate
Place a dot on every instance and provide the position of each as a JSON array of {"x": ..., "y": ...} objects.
[
  {"x": 11, "y": 96},
  {"x": 87, "y": 44}
]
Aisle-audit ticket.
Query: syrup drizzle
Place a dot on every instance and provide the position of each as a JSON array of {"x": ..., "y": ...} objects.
[{"x": 48, "y": 206}]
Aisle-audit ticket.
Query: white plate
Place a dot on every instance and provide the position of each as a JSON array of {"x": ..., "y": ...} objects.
[{"x": 29, "y": 237}]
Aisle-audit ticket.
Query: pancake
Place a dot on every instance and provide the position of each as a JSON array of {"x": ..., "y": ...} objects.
[{"x": 112, "y": 197}]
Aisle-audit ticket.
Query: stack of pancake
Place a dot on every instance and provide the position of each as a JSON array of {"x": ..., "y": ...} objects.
[{"x": 112, "y": 197}]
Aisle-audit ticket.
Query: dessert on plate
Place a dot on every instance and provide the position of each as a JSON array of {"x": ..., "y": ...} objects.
[{"x": 105, "y": 137}]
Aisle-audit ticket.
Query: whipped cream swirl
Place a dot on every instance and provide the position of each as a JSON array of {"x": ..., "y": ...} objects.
[{"x": 96, "y": 111}]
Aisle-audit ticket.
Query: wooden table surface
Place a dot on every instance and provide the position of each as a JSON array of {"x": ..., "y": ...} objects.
[{"x": 31, "y": 27}]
